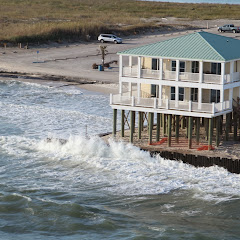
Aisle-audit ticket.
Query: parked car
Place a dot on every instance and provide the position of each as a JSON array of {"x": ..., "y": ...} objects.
[
  {"x": 109, "y": 38},
  {"x": 229, "y": 28}
]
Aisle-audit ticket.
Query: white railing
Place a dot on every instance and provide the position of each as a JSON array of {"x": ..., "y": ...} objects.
[
  {"x": 144, "y": 102},
  {"x": 187, "y": 76},
  {"x": 203, "y": 107},
  {"x": 149, "y": 73},
  {"x": 130, "y": 71},
  {"x": 234, "y": 77},
  {"x": 212, "y": 78},
  {"x": 121, "y": 100},
  {"x": 169, "y": 75},
  {"x": 227, "y": 78},
  {"x": 190, "y": 106}
]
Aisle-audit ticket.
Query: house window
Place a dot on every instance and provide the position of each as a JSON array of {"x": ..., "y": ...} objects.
[
  {"x": 172, "y": 93},
  {"x": 215, "y": 96},
  {"x": 181, "y": 66},
  {"x": 155, "y": 64},
  {"x": 194, "y": 94},
  {"x": 180, "y": 96},
  {"x": 216, "y": 68},
  {"x": 154, "y": 90},
  {"x": 174, "y": 66},
  {"x": 195, "y": 67}
]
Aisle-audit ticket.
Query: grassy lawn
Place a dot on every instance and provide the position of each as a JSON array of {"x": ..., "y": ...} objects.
[{"x": 57, "y": 20}]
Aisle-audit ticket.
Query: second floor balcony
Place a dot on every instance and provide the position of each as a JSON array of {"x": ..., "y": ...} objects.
[{"x": 133, "y": 72}]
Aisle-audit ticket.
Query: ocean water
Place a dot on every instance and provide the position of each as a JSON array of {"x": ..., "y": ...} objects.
[
  {"x": 89, "y": 189},
  {"x": 201, "y": 1}
]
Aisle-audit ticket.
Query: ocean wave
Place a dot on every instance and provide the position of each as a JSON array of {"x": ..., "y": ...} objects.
[{"x": 131, "y": 171}]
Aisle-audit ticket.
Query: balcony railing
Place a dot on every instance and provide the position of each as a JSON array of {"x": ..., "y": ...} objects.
[
  {"x": 211, "y": 108},
  {"x": 149, "y": 73},
  {"x": 183, "y": 76},
  {"x": 130, "y": 71}
]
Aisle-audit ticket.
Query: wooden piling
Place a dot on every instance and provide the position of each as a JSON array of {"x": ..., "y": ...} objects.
[
  {"x": 227, "y": 127},
  {"x": 131, "y": 126},
  {"x": 114, "y": 122},
  {"x": 122, "y": 122},
  {"x": 218, "y": 119},
  {"x": 140, "y": 122},
  {"x": 177, "y": 129},
  {"x": 235, "y": 127},
  {"x": 150, "y": 127},
  {"x": 197, "y": 130},
  {"x": 134, "y": 120},
  {"x": 206, "y": 125},
  {"x": 169, "y": 132},
  {"x": 182, "y": 122},
  {"x": 210, "y": 133},
  {"x": 164, "y": 124},
  {"x": 189, "y": 132},
  {"x": 158, "y": 127}
]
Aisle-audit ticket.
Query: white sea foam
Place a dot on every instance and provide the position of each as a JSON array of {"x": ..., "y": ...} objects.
[{"x": 133, "y": 172}]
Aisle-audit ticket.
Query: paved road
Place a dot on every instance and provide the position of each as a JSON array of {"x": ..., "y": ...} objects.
[{"x": 76, "y": 60}]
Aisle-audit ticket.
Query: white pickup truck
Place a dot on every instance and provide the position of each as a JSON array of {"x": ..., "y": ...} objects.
[{"x": 229, "y": 28}]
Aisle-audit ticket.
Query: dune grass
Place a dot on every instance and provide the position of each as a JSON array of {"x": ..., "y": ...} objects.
[{"x": 57, "y": 20}]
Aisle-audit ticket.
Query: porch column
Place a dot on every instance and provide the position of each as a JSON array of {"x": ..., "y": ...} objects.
[
  {"x": 222, "y": 72},
  {"x": 160, "y": 95},
  {"x": 177, "y": 69},
  {"x": 160, "y": 68},
  {"x": 139, "y": 67},
  {"x": 231, "y": 71},
  {"x": 176, "y": 96},
  {"x": 130, "y": 61},
  {"x": 199, "y": 98},
  {"x": 200, "y": 71},
  {"x": 120, "y": 66}
]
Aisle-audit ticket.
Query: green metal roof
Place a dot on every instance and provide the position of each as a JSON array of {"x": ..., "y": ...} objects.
[{"x": 196, "y": 46}]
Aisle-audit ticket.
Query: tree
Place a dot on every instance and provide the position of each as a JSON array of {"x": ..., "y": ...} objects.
[{"x": 103, "y": 52}]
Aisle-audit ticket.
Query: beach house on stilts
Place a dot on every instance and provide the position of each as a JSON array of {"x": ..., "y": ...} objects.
[{"x": 190, "y": 81}]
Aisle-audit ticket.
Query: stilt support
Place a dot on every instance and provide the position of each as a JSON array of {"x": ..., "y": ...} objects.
[
  {"x": 140, "y": 122},
  {"x": 190, "y": 120},
  {"x": 150, "y": 127},
  {"x": 122, "y": 122},
  {"x": 114, "y": 122},
  {"x": 177, "y": 128},
  {"x": 131, "y": 126},
  {"x": 169, "y": 132},
  {"x": 210, "y": 133},
  {"x": 158, "y": 127},
  {"x": 218, "y": 119},
  {"x": 197, "y": 130}
]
